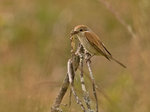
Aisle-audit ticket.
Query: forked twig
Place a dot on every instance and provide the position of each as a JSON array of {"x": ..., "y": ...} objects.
[
  {"x": 71, "y": 75},
  {"x": 64, "y": 87},
  {"x": 72, "y": 65}
]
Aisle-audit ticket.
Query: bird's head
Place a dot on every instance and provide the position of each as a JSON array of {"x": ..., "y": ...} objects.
[{"x": 78, "y": 29}]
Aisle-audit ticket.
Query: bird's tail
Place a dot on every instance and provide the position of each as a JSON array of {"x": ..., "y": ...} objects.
[{"x": 118, "y": 62}]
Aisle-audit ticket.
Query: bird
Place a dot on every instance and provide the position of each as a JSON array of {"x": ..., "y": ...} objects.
[{"x": 92, "y": 43}]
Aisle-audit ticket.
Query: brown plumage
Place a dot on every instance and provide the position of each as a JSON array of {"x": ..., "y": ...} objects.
[{"x": 92, "y": 43}]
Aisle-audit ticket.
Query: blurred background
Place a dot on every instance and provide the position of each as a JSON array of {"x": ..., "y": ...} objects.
[{"x": 35, "y": 47}]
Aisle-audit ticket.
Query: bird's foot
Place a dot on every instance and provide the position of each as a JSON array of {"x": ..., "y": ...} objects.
[{"x": 88, "y": 57}]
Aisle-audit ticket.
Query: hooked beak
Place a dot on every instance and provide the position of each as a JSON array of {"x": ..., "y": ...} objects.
[{"x": 74, "y": 32}]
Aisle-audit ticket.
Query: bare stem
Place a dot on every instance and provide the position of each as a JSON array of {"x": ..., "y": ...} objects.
[
  {"x": 93, "y": 81},
  {"x": 65, "y": 85},
  {"x": 86, "y": 94},
  {"x": 71, "y": 75},
  {"x": 55, "y": 107}
]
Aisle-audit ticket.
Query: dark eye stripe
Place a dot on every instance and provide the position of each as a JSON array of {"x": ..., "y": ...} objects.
[{"x": 81, "y": 30}]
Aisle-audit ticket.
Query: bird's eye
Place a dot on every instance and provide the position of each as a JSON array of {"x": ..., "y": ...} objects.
[{"x": 81, "y": 30}]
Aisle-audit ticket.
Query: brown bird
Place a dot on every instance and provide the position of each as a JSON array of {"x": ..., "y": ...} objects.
[{"x": 92, "y": 43}]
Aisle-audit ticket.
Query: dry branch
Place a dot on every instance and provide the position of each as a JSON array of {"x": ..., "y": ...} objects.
[
  {"x": 88, "y": 61},
  {"x": 85, "y": 92},
  {"x": 65, "y": 85},
  {"x": 55, "y": 107},
  {"x": 71, "y": 75},
  {"x": 73, "y": 64}
]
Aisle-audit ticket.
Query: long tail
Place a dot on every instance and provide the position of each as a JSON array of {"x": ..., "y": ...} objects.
[{"x": 118, "y": 62}]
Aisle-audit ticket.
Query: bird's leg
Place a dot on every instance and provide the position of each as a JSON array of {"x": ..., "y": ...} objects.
[{"x": 88, "y": 56}]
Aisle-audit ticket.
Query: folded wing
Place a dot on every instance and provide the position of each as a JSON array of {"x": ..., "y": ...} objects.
[{"x": 95, "y": 41}]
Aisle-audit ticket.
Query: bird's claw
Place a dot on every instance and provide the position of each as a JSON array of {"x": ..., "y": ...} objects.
[{"x": 88, "y": 58}]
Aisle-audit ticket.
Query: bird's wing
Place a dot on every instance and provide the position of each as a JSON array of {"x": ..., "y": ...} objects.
[{"x": 95, "y": 41}]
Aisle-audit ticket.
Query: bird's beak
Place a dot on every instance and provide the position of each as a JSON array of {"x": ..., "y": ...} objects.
[{"x": 74, "y": 32}]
